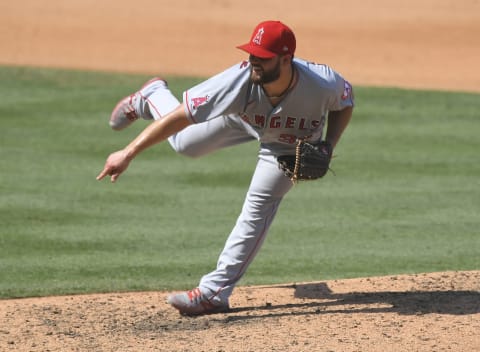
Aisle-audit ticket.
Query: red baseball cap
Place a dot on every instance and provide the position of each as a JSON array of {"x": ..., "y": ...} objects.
[{"x": 269, "y": 39}]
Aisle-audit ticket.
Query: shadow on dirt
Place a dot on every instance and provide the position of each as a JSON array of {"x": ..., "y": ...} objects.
[
  {"x": 404, "y": 303},
  {"x": 408, "y": 303},
  {"x": 317, "y": 298}
]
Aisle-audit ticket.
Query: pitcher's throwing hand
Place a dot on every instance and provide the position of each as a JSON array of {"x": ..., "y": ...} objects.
[{"x": 114, "y": 166}]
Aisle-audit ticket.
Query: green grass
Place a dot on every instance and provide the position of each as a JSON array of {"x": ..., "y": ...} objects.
[{"x": 405, "y": 198}]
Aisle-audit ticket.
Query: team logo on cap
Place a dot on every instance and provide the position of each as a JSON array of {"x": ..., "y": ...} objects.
[{"x": 258, "y": 37}]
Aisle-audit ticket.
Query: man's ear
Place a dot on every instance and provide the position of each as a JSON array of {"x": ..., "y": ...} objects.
[{"x": 286, "y": 59}]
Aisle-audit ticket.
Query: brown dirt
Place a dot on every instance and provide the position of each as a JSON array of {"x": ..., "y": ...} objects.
[
  {"x": 426, "y": 312},
  {"x": 408, "y": 43},
  {"x": 413, "y": 43}
]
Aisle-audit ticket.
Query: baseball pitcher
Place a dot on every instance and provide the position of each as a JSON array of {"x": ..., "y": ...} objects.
[{"x": 297, "y": 110}]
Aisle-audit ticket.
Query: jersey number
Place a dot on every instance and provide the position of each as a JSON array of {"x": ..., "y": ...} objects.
[{"x": 287, "y": 138}]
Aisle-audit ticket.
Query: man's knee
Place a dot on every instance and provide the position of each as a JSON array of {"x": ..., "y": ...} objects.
[{"x": 191, "y": 151}]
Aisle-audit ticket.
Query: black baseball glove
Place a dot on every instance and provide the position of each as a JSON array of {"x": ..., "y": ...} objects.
[{"x": 311, "y": 161}]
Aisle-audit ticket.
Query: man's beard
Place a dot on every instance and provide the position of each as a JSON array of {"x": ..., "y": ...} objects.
[{"x": 265, "y": 77}]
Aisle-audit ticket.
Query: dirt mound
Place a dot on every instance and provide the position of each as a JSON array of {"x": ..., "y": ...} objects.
[{"x": 426, "y": 312}]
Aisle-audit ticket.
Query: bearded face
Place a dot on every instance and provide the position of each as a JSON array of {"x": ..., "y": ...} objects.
[{"x": 264, "y": 71}]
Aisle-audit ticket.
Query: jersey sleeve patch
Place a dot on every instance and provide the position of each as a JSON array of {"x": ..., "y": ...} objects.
[
  {"x": 347, "y": 91},
  {"x": 196, "y": 102}
]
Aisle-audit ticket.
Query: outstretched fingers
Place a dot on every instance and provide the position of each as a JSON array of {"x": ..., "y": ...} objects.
[
  {"x": 107, "y": 171},
  {"x": 116, "y": 163},
  {"x": 103, "y": 173}
]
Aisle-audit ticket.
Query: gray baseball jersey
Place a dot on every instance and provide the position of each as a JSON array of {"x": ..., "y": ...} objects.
[
  {"x": 301, "y": 113},
  {"x": 228, "y": 110}
]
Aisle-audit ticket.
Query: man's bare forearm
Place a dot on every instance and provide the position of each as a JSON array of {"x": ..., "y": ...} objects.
[
  {"x": 337, "y": 123},
  {"x": 158, "y": 131}
]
